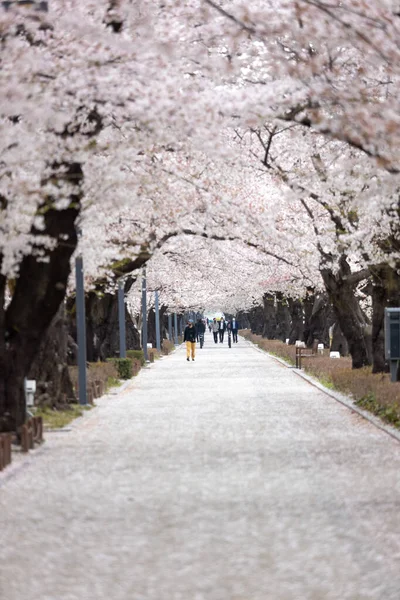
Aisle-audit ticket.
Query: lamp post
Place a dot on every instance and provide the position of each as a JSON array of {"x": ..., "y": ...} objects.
[
  {"x": 144, "y": 315},
  {"x": 81, "y": 327},
  {"x": 157, "y": 311},
  {"x": 175, "y": 329},
  {"x": 170, "y": 328},
  {"x": 121, "y": 319}
]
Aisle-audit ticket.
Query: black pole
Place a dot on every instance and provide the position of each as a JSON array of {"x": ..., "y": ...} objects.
[
  {"x": 176, "y": 329},
  {"x": 121, "y": 319},
  {"x": 144, "y": 315},
  {"x": 157, "y": 311},
  {"x": 81, "y": 329},
  {"x": 170, "y": 328}
]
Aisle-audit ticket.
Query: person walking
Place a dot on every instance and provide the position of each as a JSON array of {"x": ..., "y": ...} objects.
[
  {"x": 221, "y": 330},
  {"x": 200, "y": 331},
  {"x": 189, "y": 337},
  {"x": 215, "y": 327},
  {"x": 235, "y": 328}
]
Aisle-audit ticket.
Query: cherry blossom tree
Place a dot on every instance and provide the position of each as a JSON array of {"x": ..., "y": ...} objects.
[{"x": 138, "y": 123}]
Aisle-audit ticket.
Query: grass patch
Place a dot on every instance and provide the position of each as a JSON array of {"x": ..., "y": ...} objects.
[
  {"x": 57, "y": 419},
  {"x": 113, "y": 382},
  {"x": 372, "y": 392},
  {"x": 389, "y": 414}
]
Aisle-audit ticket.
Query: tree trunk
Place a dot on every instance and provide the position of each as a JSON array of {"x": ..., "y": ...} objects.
[
  {"x": 102, "y": 326},
  {"x": 50, "y": 366},
  {"x": 39, "y": 291},
  {"x": 269, "y": 328},
  {"x": 3, "y": 391},
  {"x": 151, "y": 327},
  {"x": 308, "y": 304},
  {"x": 164, "y": 323},
  {"x": 340, "y": 287},
  {"x": 320, "y": 321},
  {"x": 339, "y": 342},
  {"x": 256, "y": 317},
  {"x": 243, "y": 320},
  {"x": 282, "y": 318},
  {"x": 297, "y": 321}
]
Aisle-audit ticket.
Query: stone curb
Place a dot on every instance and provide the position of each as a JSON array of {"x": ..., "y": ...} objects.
[{"x": 345, "y": 400}]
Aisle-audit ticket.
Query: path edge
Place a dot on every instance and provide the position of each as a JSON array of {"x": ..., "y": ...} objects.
[{"x": 338, "y": 396}]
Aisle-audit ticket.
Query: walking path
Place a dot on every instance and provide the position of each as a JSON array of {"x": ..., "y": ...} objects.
[{"x": 229, "y": 478}]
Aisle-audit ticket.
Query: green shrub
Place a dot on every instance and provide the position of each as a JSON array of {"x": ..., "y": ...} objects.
[
  {"x": 138, "y": 354},
  {"x": 123, "y": 366}
]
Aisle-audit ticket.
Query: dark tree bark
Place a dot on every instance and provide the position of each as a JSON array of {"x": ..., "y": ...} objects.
[
  {"x": 3, "y": 406},
  {"x": 320, "y": 320},
  {"x": 256, "y": 318},
  {"x": 151, "y": 327},
  {"x": 385, "y": 294},
  {"x": 50, "y": 366},
  {"x": 339, "y": 342},
  {"x": 164, "y": 322},
  {"x": 39, "y": 291},
  {"x": 243, "y": 320},
  {"x": 308, "y": 304},
  {"x": 282, "y": 318},
  {"x": 102, "y": 326},
  {"x": 297, "y": 321},
  {"x": 340, "y": 287},
  {"x": 269, "y": 328}
]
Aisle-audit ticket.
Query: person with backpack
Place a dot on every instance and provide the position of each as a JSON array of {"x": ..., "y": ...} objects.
[{"x": 189, "y": 337}]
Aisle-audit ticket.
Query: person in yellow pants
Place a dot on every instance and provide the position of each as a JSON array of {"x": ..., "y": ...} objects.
[{"x": 190, "y": 338}]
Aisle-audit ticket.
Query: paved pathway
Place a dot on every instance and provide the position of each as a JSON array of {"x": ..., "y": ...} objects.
[{"x": 229, "y": 478}]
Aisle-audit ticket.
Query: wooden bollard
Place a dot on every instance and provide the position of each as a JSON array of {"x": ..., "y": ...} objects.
[
  {"x": 90, "y": 395},
  {"x": 6, "y": 444},
  {"x": 31, "y": 438},
  {"x": 24, "y": 438},
  {"x": 5, "y": 450},
  {"x": 40, "y": 427},
  {"x": 37, "y": 429},
  {"x": 151, "y": 356},
  {"x": 100, "y": 388}
]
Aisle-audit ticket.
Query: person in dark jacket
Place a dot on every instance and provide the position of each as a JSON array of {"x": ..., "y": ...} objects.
[
  {"x": 189, "y": 337},
  {"x": 235, "y": 328},
  {"x": 215, "y": 327},
  {"x": 200, "y": 328},
  {"x": 200, "y": 331},
  {"x": 221, "y": 330}
]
